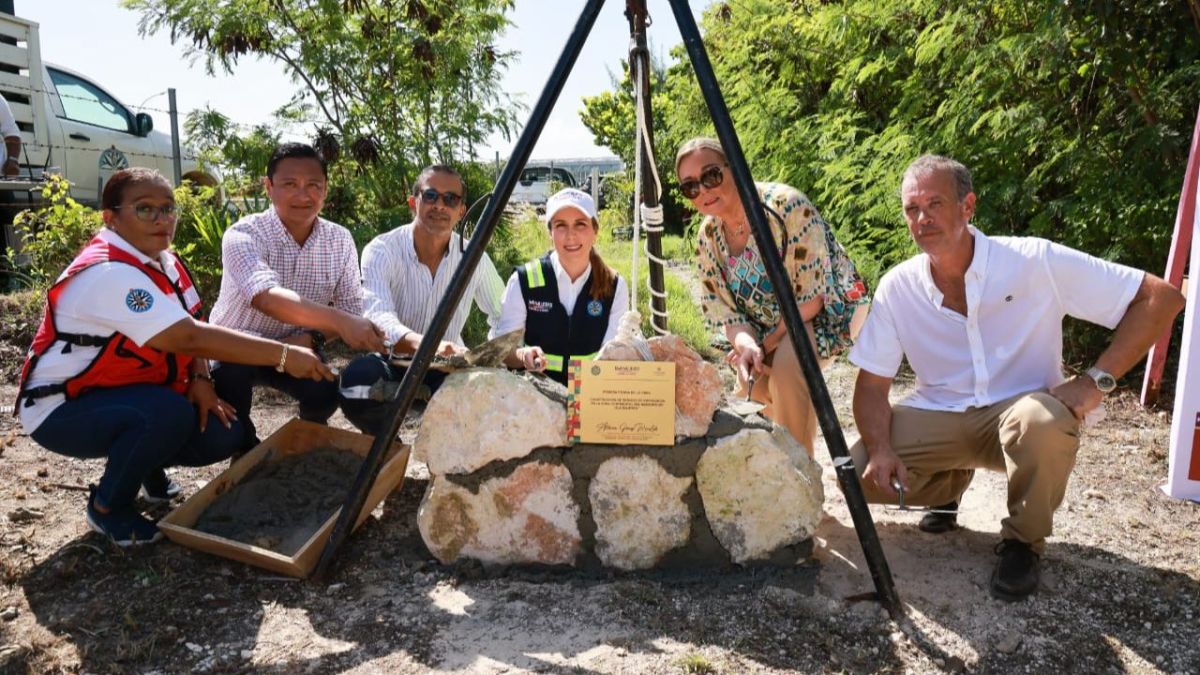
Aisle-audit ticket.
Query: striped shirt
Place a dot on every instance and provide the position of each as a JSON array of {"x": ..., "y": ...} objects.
[
  {"x": 258, "y": 254},
  {"x": 401, "y": 296}
]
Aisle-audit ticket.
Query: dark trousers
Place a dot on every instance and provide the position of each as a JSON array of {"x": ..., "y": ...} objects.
[
  {"x": 235, "y": 384},
  {"x": 357, "y": 379},
  {"x": 139, "y": 428}
]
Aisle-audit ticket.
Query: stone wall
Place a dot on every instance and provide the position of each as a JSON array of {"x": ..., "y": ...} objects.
[{"x": 506, "y": 489}]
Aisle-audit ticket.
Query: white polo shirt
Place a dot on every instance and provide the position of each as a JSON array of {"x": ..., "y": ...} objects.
[
  {"x": 94, "y": 303},
  {"x": 1018, "y": 291}
]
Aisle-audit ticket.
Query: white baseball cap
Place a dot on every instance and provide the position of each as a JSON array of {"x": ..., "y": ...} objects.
[{"x": 570, "y": 197}]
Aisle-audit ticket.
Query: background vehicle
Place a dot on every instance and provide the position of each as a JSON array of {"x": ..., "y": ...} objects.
[
  {"x": 538, "y": 182},
  {"x": 72, "y": 124}
]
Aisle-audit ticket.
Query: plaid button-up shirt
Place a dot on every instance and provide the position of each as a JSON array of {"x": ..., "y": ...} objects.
[{"x": 258, "y": 254}]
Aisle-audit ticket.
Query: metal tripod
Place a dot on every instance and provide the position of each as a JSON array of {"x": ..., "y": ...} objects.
[{"x": 827, "y": 417}]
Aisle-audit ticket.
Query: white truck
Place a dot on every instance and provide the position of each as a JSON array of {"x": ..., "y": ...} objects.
[{"x": 72, "y": 126}]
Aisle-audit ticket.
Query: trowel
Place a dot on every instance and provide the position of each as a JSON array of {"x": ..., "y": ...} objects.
[
  {"x": 913, "y": 509},
  {"x": 490, "y": 354},
  {"x": 746, "y": 407}
]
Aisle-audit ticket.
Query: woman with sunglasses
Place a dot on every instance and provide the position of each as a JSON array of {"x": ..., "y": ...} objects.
[
  {"x": 111, "y": 371},
  {"x": 569, "y": 301},
  {"x": 738, "y": 296}
]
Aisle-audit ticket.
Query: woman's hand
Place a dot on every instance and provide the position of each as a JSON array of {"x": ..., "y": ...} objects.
[
  {"x": 303, "y": 363},
  {"x": 202, "y": 395},
  {"x": 533, "y": 358}
]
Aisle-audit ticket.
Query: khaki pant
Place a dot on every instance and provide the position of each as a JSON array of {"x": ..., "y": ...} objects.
[
  {"x": 1032, "y": 437},
  {"x": 783, "y": 390}
]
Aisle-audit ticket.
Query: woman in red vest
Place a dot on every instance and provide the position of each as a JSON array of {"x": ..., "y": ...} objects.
[{"x": 111, "y": 371}]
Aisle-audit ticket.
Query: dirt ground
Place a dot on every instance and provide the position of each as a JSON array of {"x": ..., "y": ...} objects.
[{"x": 1120, "y": 593}]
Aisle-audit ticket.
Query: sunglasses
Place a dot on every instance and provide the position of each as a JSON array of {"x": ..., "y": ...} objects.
[
  {"x": 712, "y": 176},
  {"x": 149, "y": 214},
  {"x": 450, "y": 199}
]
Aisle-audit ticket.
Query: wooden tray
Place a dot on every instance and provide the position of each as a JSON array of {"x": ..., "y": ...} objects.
[{"x": 295, "y": 437}]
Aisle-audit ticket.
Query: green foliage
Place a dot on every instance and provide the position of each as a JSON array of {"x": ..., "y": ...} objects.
[
  {"x": 395, "y": 85},
  {"x": 52, "y": 234},
  {"x": 1074, "y": 116},
  {"x": 198, "y": 232}
]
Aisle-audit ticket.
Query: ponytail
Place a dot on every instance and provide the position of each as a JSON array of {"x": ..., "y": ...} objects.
[{"x": 604, "y": 279}]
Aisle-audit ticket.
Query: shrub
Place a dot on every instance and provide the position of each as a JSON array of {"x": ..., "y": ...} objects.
[{"x": 53, "y": 235}]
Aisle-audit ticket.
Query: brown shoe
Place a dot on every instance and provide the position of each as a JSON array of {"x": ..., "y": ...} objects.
[
  {"x": 1016, "y": 574},
  {"x": 937, "y": 523}
]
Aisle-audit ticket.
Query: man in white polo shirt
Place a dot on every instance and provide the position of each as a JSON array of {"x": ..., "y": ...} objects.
[{"x": 980, "y": 321}]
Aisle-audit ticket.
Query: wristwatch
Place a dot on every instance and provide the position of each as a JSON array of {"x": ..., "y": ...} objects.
[{"x": 1104, "y": 381}]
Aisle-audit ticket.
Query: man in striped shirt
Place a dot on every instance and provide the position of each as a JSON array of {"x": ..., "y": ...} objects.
[
  {"x": 405, "y": 274},
  {"x": 288, "y": 275}
]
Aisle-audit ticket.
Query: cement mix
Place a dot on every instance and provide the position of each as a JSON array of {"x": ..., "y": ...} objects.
[{"x": 279, "y": 505}]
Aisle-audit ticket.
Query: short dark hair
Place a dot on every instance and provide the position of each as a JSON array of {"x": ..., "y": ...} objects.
[
  {"x": 114, "y": 189},
  {"x": 438, "y": 168},
  {"x": 295, "y": 151}
]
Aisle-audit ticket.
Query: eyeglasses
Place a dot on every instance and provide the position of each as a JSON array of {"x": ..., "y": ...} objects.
[
  {"x": 712, "y": 176},
  {"x": 149, "y": 214},
  {"x": 450, "y": 199}
]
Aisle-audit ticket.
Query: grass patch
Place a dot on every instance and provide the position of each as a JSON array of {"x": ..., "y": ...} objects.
[{"x": 696, "y": 664}]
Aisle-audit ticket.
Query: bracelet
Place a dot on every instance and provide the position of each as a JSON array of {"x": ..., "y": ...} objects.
[
  {"x": 201, "y": 376},
  {"x": 282, "y": 359}
]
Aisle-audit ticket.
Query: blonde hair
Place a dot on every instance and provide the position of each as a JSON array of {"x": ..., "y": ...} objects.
[{"x": 696, "y": 144}]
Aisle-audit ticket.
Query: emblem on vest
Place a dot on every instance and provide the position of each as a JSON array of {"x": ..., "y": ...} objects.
[
  {"x": 594, "y": 308},
  {"x": 539, "y": 306},
  {"x": 139, "y": 300}
]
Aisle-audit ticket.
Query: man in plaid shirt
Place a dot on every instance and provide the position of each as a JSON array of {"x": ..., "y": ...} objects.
[{"x": 289, "y": 275}]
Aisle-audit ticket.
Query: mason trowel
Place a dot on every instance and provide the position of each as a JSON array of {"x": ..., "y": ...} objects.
[{"x": 747, "y": 406}]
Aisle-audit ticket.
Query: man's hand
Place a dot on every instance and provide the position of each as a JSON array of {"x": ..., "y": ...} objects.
[
  {"x": 202, "y": 395},
  {"x": 359, "y": 333},
  {"x": 412, "y": 341},
  {"x": 882, "y": 465},
  {"x": 1079, "y": 394}
]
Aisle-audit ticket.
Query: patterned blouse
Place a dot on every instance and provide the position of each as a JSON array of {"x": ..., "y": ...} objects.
[{"x": 737, "y": 290}]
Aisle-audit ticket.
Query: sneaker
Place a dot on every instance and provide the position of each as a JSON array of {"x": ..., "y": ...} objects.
[
  {"x": 124, "y": 526},
  {"x": 1016, "y": 574},
  {"x": 937, "y": 523},
  {"x": 157, "y": 488}
]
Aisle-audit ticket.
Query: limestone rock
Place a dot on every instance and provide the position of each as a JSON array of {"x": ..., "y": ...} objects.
[
  {"x": 697, "y": 385},
  {"x": 505, "y": 415},
  {"x": 760, "y": 491},
  {"x": 639, "y": 512},
  {"x": 525, "y": 517}
]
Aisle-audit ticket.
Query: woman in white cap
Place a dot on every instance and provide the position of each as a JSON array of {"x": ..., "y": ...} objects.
[
  {"x": 569, "y": 301},
  {"x": 738, "y": 296}
]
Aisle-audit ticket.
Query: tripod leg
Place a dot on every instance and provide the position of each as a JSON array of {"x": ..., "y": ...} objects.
[{"x": 843, "y": 465}]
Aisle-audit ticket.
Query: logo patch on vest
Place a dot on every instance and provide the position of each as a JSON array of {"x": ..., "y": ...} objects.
[
  {"x": 594, "y": 308},
  {"x": 139, "y": 300},
  {"x": 540, "y": 306}
]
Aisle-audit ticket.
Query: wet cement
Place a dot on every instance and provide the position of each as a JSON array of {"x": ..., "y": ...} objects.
[{"x": 280, "y": 505}]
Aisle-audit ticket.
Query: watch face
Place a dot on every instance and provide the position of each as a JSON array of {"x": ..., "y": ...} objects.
[{"x": 1106, "y": 383}]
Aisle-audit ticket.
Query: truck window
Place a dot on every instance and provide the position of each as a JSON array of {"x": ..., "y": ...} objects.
[{"x": 84, "y": 102}]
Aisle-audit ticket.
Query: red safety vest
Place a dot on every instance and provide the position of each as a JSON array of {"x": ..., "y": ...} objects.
[{"x": 120, "y": 361}]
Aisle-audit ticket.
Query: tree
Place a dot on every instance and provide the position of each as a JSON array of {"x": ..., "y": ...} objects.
[{"x": 401, "y": 83}]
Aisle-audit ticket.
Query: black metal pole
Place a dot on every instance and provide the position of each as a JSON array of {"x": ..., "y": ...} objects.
[
  {"x": 842, "y": 462},
  {"x": 458, "y": 284},
  {"x": 639, "y": 62}
]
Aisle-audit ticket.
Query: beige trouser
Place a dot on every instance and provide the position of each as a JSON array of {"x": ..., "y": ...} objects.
[
  {"x": 785, "y": 393},
  {"x": 1032, "y": 437}
]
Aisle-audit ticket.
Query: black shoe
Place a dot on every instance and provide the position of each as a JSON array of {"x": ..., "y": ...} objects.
[
  {"x": 937, "y": 523},
  {"x": 124, "y": 525},
  {"x": 1016, "y": 574},
  {"x": 157, "y": 488}
]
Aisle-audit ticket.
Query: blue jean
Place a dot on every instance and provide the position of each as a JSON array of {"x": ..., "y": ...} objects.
[
  {"x": 367, "y": 415},
  {"x": 235, "y": 385},
  {"x": 139, "y": 428}
]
